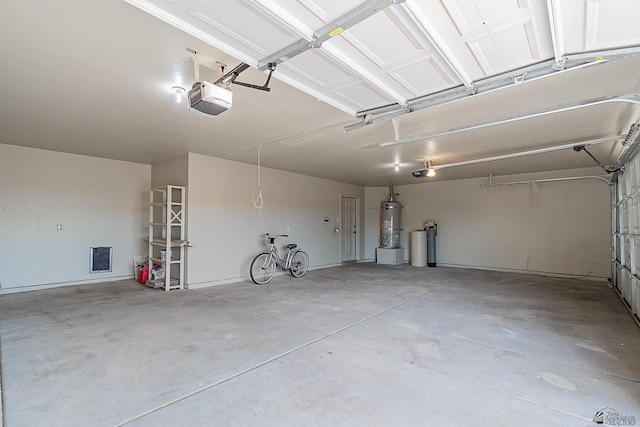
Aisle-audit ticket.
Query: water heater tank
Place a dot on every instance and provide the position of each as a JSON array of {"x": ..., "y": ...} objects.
[
  {"x": 390, "y": 225},
  {"x": 390, "y": 222}
]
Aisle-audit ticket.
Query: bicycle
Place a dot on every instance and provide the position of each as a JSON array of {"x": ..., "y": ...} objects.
[{"x": 263, "y": 266}]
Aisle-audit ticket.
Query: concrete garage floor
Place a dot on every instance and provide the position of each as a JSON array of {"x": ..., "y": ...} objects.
[{"x": 357, "y": 345}]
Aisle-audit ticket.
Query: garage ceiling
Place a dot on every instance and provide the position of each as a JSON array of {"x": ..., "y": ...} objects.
[{"x": 399, "y": 82}]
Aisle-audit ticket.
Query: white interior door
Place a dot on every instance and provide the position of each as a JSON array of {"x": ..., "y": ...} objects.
[{"x": 348, "y": 231}]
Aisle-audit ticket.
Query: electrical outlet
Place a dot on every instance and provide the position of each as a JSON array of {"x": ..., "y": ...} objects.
[{"x": 59, "y": 227}]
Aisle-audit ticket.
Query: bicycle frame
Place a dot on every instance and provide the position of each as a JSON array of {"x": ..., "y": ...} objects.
[
  {"x": 284, "y": 263},
  {"x": 264, "y": 265}
]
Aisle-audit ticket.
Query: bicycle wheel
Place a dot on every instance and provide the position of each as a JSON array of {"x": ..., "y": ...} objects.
[
  {"x": 262, "y": 270},
  {"x": 299, "y": 264}
]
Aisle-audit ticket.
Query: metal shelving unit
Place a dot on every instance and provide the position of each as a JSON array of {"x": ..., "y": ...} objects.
[{"x": 167, "y": 236}]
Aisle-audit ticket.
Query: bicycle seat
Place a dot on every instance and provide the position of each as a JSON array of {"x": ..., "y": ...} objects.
[{"x": 291, "y": 246}]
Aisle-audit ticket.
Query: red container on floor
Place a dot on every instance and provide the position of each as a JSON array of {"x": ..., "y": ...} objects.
[{"x": 144, "y": 275}]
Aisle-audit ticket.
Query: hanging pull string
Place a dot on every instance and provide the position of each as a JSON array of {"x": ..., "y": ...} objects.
[{"x": 257, "y": 199}]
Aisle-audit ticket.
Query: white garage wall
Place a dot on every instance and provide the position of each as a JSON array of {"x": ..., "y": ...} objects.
[
  {"x": 564, "y": 228},
  {"x": 171, "y": 172},
  {"x": 561, "y": 229},
  {"x": 99, "y": 202},
  {"x": 225, "y": 228}
]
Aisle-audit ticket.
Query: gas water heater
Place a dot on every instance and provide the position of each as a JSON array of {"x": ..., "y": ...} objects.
[{"x": 390, "y": 222}]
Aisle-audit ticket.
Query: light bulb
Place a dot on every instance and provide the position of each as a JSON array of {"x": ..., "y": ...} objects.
[
  {"x": 396, "y": 167},
  {"x": 431, "y": 172},
  {"x": 178, "y": 90}
]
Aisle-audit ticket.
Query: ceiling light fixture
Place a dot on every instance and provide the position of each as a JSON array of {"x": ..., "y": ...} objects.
[
  {"x": 396, "y": 167},
  {"x": 431, "y": 172},
  {"x": 178, "y": 91},
  {"x": 428, "y": 171}
]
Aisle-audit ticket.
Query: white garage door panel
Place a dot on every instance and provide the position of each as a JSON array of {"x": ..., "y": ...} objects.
[
  {"x": 425, "y": 76},
  {"x": 314, "y": 67},
  {"x": 396, "y": 46},
  {"x": 596, "y": 25},
  {"x": 471, "y": 15},
  {"x": 363, "y": 95},
  {"x": 506, "y": 50},
  {"x": 306, "y": 16},
  {"x": 342, "y": 51},
  {"x": 437, "y": 24},
  {"x": 292, "y": 14},
  {"x": 612, "y": 23},
  {"x": 295, "y": 79},
  {"x": 381, "y": 40},
  {"x": 244, "y": 24},
  {"x": 502, "y": 35},
  {"x": 634, "y": 177},
  {"x": 328, "y": 10}
]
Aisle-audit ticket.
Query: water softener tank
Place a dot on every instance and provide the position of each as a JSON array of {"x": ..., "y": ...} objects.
[
  {"x": 432, "y": 231},
  {"x": 390, "y": 223},
  {"x": 419, "y": 248}
]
